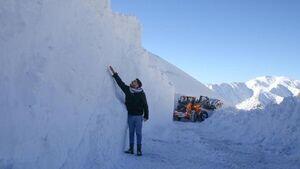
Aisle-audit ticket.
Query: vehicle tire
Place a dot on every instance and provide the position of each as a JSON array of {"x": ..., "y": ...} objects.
[
  {"x": 200, "y": 118},
  {"x": 195, "y": 117},
  {"x": 204, "y": 115}
]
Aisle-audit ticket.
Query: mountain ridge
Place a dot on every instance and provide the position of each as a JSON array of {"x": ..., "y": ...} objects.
[{"x": 257, "y": 92}]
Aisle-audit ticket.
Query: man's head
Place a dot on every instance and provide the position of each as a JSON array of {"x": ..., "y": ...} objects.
[{"x": 136, "y": 84}]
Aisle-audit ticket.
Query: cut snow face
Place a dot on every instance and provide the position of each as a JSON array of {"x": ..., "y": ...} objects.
[
  {"x": 60, "y": 107},
  {"x": 181, "y": 81},
  {"x": 257, "y": 93}
]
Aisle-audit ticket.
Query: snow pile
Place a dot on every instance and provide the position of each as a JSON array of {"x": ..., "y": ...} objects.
[
  {"x": 60, "y": 108},
  {"x": 259, "y": 92},
  {"x": 275, "y": 128},
  {"x": 182, "y": 82}
]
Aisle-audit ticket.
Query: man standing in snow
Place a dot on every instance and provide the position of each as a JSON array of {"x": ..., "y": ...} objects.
[{"x": 137, "y": 108}]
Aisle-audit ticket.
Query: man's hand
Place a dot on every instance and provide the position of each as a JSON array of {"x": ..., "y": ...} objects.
[
  {"x": 112, "y": 70},
  {"x": 145, "y": 119}
]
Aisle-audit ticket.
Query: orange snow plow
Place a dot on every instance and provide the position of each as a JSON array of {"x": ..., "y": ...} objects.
[{"x": 190, "y": 108}]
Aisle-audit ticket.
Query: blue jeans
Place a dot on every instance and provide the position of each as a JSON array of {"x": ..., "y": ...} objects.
[{"x": 135, "y": 124}]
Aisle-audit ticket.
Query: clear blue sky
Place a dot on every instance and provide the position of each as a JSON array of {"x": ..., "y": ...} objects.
[{"x": 221, "y": 40}]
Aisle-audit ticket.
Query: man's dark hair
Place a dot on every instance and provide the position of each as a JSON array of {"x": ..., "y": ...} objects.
[{"x": 139, "y": 82}]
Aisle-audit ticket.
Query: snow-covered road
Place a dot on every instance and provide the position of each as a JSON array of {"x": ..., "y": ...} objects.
[{"x": 188, "y": 146}]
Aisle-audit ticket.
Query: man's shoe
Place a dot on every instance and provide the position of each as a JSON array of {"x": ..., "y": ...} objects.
[
  {"x": 139, "y": 150},
  {"x": 139, "y": 153},
  {"x": 130, "y": 150}
]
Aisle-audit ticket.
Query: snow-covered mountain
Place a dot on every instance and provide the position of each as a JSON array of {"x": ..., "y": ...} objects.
[{"x": 258, "y": 92}]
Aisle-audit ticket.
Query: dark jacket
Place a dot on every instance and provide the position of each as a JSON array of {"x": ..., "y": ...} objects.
[{"x": 136, "y": 102}]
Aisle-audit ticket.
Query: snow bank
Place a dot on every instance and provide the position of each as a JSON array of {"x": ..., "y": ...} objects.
[
  {"x": 275, "y": 128},
  {"x": 182, "y": 82},
  {"x": 59, "y": 106}
]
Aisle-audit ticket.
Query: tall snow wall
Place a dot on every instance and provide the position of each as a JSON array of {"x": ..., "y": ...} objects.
[
  {"x": 183, "y": 83},
  {"x": 60, "y": 108}
]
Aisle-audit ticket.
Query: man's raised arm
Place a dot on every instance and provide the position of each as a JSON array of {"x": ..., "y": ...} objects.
[{"x": 119, "y": 81}]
